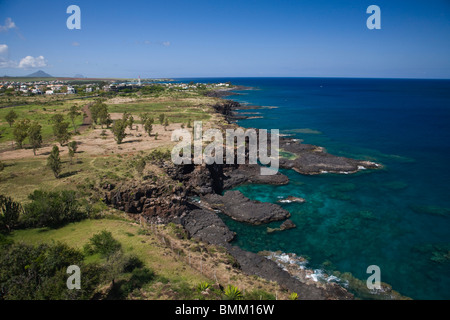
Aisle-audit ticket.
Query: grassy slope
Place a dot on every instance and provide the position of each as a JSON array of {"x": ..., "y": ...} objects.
[
  {"x": 180, "y": 264},
  {"x": 20, "y": 177},
  {"x": 144, "y": 246}
]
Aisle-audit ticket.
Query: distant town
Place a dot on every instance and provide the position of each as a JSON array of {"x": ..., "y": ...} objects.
[{"x": 70, "y": 86}]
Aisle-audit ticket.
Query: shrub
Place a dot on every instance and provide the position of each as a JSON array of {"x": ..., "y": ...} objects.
[
  {"x": 293, "y": 296},
  {"x": 102, "y": 243},
  {"x": 202, "y": 286},
  {"x": 39, "y": 272},
  {"x": 9, "y": 213},
  {"x": 52, "y": 209},
  {"x": 233, "y": 293}
]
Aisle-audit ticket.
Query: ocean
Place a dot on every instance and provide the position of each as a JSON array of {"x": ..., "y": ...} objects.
[{"x": 398, "y": 217}]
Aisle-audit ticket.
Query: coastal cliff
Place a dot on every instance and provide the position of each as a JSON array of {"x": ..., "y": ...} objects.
[{"x": 162, "y": 203}]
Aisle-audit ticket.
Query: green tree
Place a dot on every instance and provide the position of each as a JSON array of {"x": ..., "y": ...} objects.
[
  {"x": 189, "y": 123},
  {"x": 94, "y": 109},
  {"x": 73, "y": 146},
  {"x": 39, "y": 272},
  {"x": 144, "y": 117},
  {"x": 161, "y": 118},
  {"x": 130, "y": 122},
  {"x": 156, "y": 135},
  {"x": 148, "y": 126},
  {"x": 20, "y": 131},
  {"x": 60, "y": 129},
  {"x": 166, "y": 124},
  {"x": 102, "y": 243},
  {"x": 35, "y": 135},
  {"x": 10, "y": 117},
  {"x": 104, "y": 118},
  {"x": 9, "y": 213},
  {"x": 118, "y": 129},
  {"x": 73, "y": 114},
  {"x": 54, "y": 161},
  {"x": 52, "y": 209},
  {"x": 97, "y": 109}
]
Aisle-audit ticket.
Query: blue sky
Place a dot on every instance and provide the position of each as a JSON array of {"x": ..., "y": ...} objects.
[{"x": 233, "y": 38}]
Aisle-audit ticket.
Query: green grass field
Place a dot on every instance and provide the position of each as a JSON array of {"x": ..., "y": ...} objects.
[
  {"x": 176, "y": 111},
  {"x": 146, "y": 247},
  {"x": 39, "y": 113}
]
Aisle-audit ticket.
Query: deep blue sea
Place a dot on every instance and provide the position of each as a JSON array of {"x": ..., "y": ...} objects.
[{"x": 398, "y": 217}]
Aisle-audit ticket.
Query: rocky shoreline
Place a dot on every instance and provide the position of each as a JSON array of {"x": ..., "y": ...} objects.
[{"x": 197, "y": 198}]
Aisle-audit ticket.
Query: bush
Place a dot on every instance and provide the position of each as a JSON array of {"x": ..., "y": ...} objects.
[
  {"x": 102, "y": 243},
  {"x": 233, "y": 293},
  {"x": 203, "y": 286},
  {"x": 52, "y": 209},
  {"x": 159, "y": 155},
  {"x": 9, "y": 213},
  {"x": 39, "y": 273},
  {"x": 293, "y": 296}
]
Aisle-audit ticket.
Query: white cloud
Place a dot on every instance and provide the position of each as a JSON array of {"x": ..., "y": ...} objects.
[
  {"x": 166, "y": 43},
  {"x": 75, "y": 44},
  {"x": 3, "y": 50},
  {"x": 9, "y": 24},
  {"x": 31, "y": 62},
  {"x": 4, "y": 57},
  {"x": 25, "y": 63}
]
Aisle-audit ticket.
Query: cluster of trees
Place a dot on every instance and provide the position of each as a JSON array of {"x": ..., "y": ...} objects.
[
  {"x": 46, "y": 209},
  {"x": 100, "y": 114},
  {"x": 24, "y": 128},
  {"x": 40, "y": 272}
]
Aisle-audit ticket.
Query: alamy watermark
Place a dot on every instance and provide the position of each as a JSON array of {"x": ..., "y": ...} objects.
[
  {"x": 257, "y": 145},
  {"x": 374, "y": 21},
  {"x": 374, "y": 281},
  {"x": 74, "y": 280},
  {"x": 74, "y": 20}
]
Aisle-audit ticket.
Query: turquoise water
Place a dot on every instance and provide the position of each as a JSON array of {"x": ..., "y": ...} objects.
[{"x": 398, "y": 217}]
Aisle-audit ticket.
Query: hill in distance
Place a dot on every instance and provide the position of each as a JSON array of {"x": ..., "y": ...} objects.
[{"x": 39, "y": 74}]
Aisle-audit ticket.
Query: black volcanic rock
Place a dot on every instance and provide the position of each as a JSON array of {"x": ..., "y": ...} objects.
[
  {"x": 251, "y": 173},
  {"x": 310, "y": 160},
  {"x": 254, "y": 264},
  {"x": 208, "y": 227},
  {"x": 235, "y": 205}
]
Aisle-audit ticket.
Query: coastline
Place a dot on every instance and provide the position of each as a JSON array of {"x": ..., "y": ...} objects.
[
  {"x": 329, "y": 164},
  {"x": 196, "y": 203}
]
